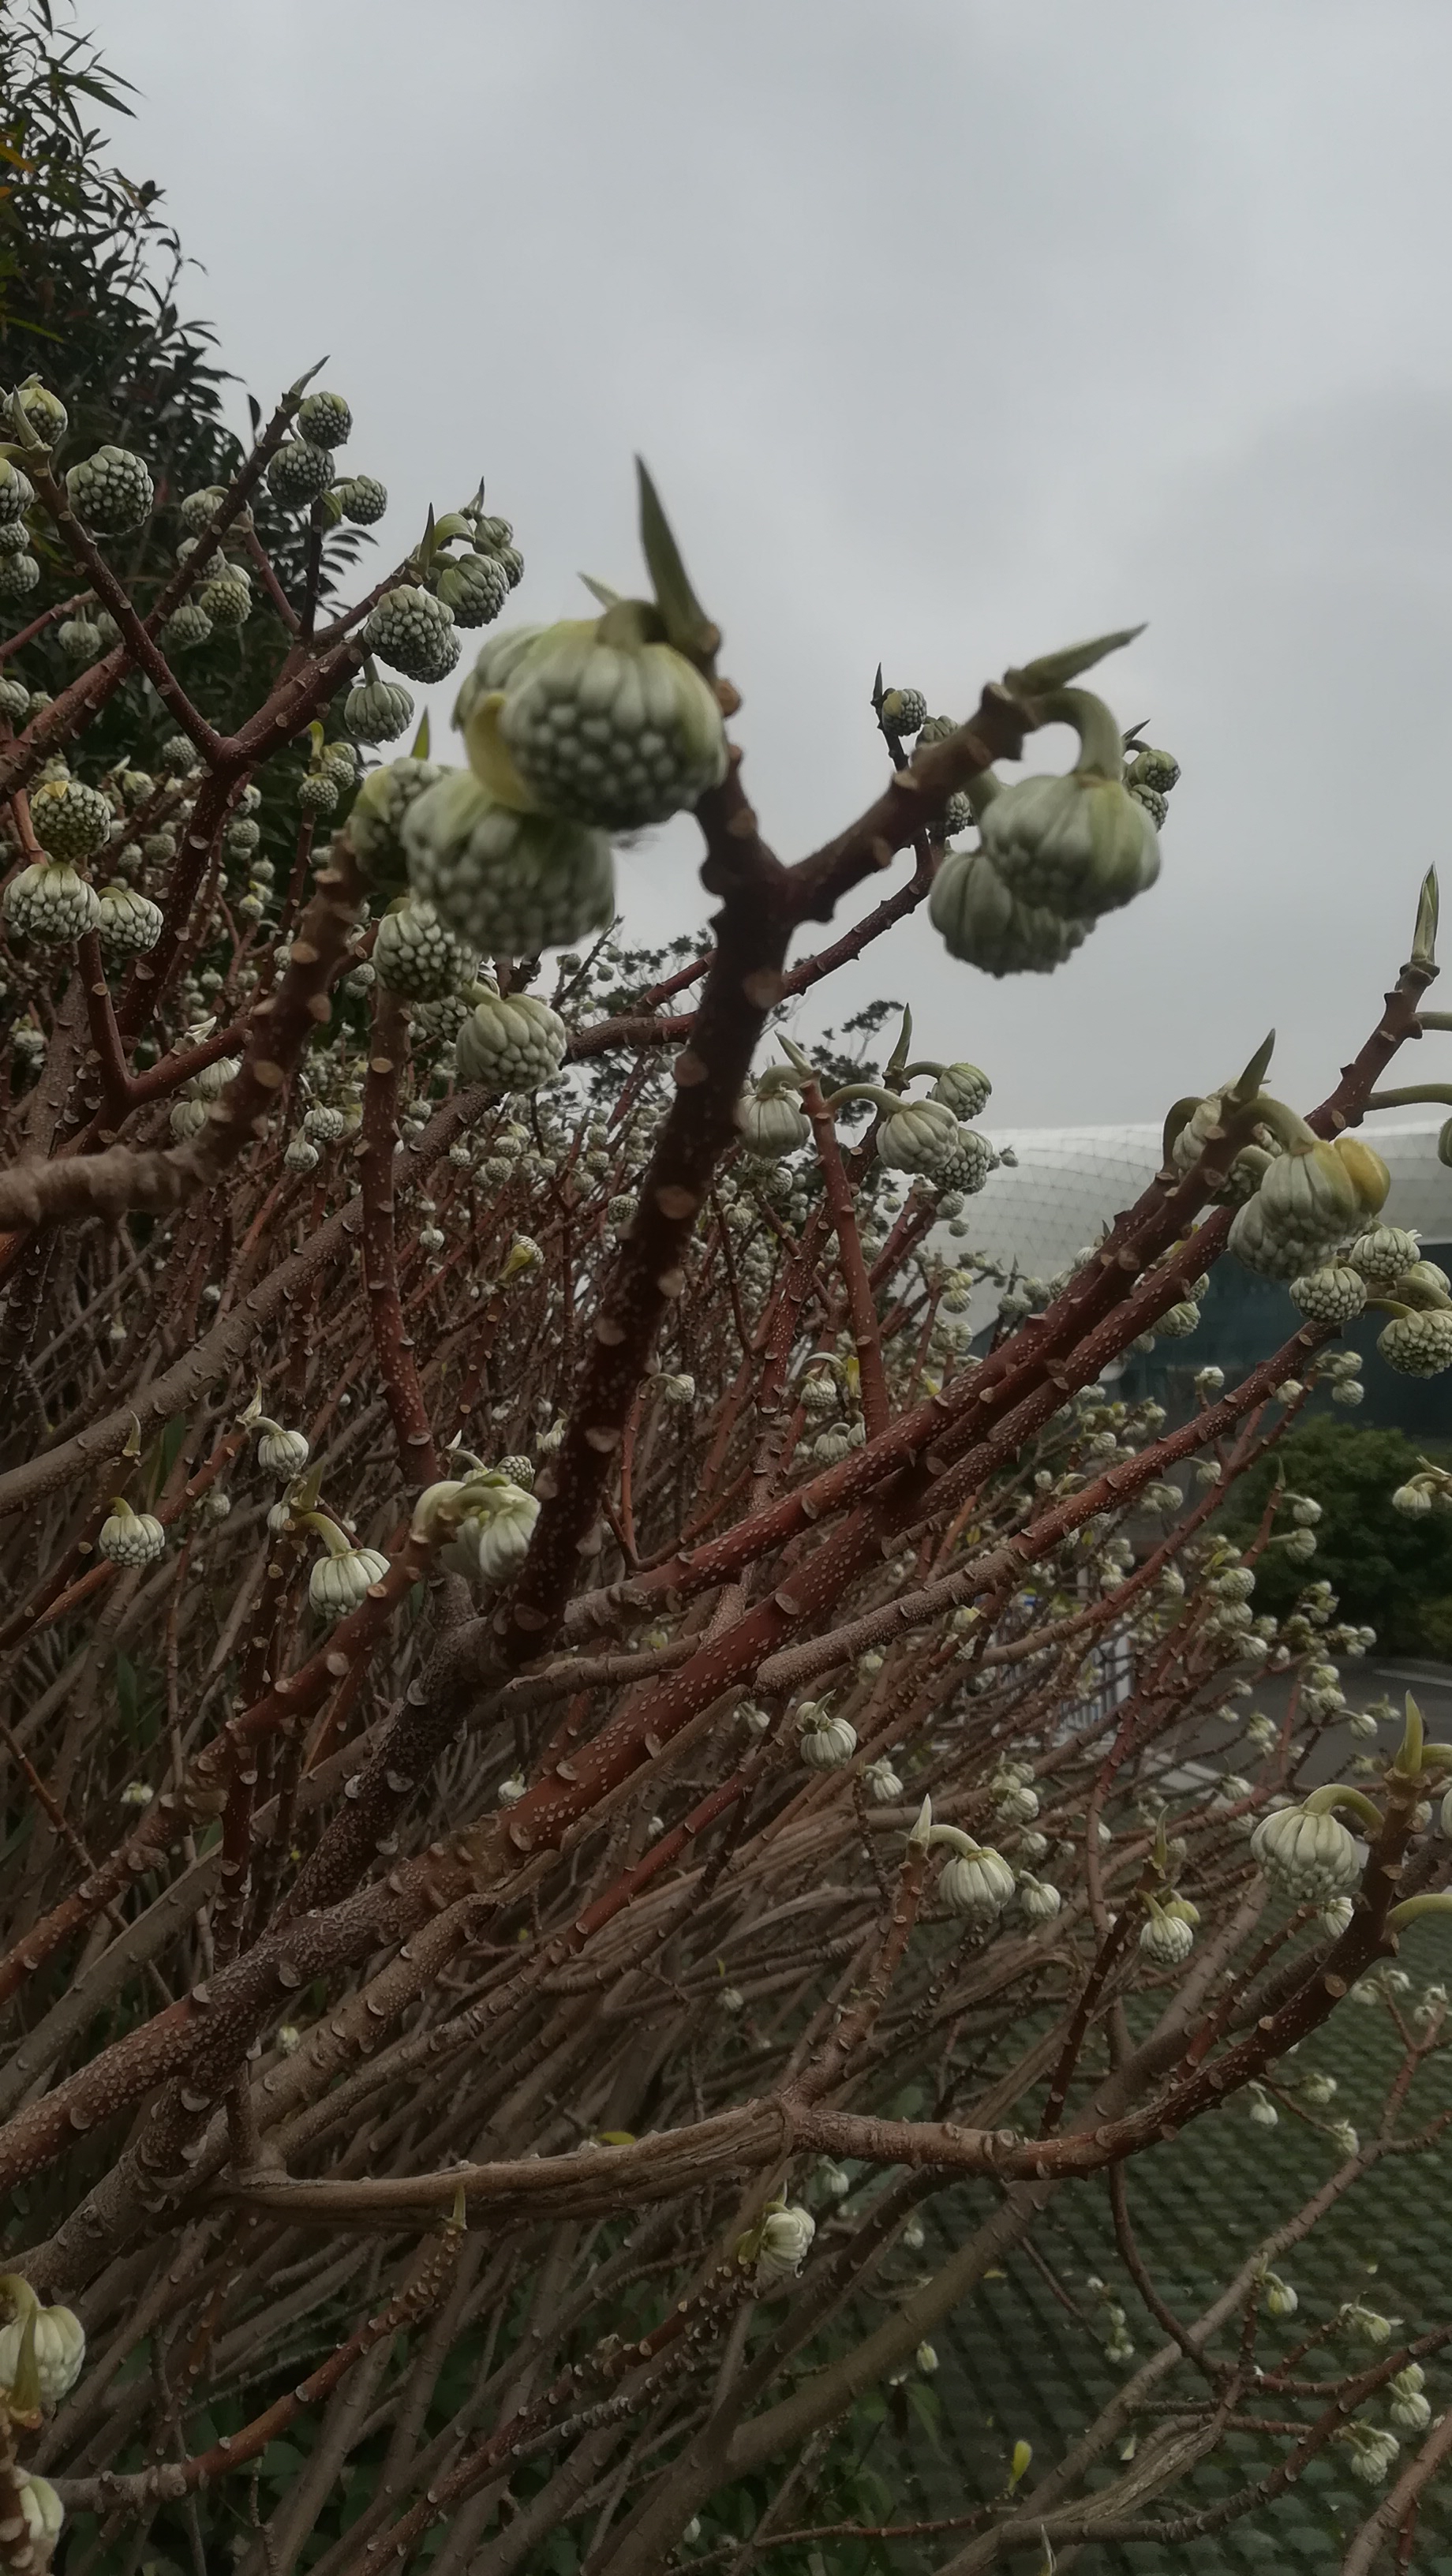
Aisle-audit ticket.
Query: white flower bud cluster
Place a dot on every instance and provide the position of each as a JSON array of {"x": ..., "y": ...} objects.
[
  {"x": 341, "y": 1580},
  {"x": 1113, "y": 2322},
  {"x": 1039, "y": 1900},
  {"x": 279, "y": 1452},
  {"x": 824, "y": 1742},
  {"x": 1372, "y": 2452},
  {"x": 1167, "y": 1935},
  {"x": 128, "y": 924},
  {"x": 415, "y": 955},
  {"x": 112, "y": 491},
  {"x": 1057, "y": 854},
  {"x": 414, "y": 633},
  {"x": 598, "y": 721},
  {"x": 1410, "y": 2410},
  {"x": 1334, "y": 1294},
  {"x": 485, "y": 1522},
  {"x": 130, "y": 1538},
  {"x": 513, "y": 1044},
  {"x": 51, "y": 903},
  {"x": 1014, "y": 1801},
  {"x": 1364, "y": 2325},
  {"x": 976, "y": 1883},
  {"x": 508, "y": 883},
  {"x": 60, "y": 2345},
  {"x": 772, "y": 1124},
  {"x": 779, "y": 2246},
  {"x": 43, "y": 2512},
  {"x": 1309, "y": 1855}
]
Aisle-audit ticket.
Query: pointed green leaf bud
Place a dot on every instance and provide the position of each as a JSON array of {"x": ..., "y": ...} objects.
[{"x": 1053, "y": 669}]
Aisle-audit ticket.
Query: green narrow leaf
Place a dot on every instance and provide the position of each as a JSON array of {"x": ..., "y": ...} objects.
[
  {"x": 927, "y": 2407},
  {"x": 421, "y": 738},
  {"x": 1053, "y": 669},
  {"x": 1424, "y": 937},
  {"x": 901, "y": 1051},
  {"x": 1257, "y": 1069},
  {"x": 686, "y": 623},
  {"x": 294, "y": 393}
]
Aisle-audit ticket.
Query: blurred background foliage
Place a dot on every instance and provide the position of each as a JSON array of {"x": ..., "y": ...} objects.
[
  {"x": 1391, "y": 1573},
  {"x": 94, "y": 296}
]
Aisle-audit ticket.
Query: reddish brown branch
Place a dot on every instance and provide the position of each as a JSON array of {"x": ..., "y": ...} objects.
[
  {"x": 388, "y": 1052},
  {"x": 121, "y": 1178},
  {"x": 866, "y": 1334},
  {"x": 743, "y": 984}
]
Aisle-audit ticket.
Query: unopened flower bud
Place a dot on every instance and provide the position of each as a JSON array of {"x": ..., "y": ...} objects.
[
  {"x": 1366, "y": 2326},
  {"x": 129, "y": 1537},
  {"x": 824, "y": 1742},
  {"x": 976, "y": 1883},
  {"x": 1280, "y": 2299},
  {"x": 43, "y": 2512},
  {"x": 782, "y": 2242},
  {"x": 280, "y": 1452},
  {"x": 344, "y": 1577},
  {"x": 1309, "y": 1856},
  {"x": 60, "y": 2342},
  {"x": 1411, "y": 2412},
  {"x": 1372, "y": 2452}
]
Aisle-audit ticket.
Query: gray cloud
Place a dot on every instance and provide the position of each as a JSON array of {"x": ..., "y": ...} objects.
[{"x": 951, "y": 335}]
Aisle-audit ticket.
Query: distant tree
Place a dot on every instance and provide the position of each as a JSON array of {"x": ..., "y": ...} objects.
[
  {"x": 90, "y": 279},
  {"x": 89, "y": 268},
  {"x": 1386, "y": 1570}
]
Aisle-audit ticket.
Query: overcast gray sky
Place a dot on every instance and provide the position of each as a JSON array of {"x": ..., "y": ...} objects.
[{"x": 952, "y": 333}]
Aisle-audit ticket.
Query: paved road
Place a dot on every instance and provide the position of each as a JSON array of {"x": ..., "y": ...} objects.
[
  {"x": 1334, "y": 1750},
  {"x": 1364, "y": 1680}
]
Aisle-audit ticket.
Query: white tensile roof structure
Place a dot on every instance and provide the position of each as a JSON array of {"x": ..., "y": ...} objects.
[{"x": 1072, "y": 1181}]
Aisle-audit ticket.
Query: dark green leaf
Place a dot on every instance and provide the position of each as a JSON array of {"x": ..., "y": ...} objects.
[{"x": 686, "y": 623}]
